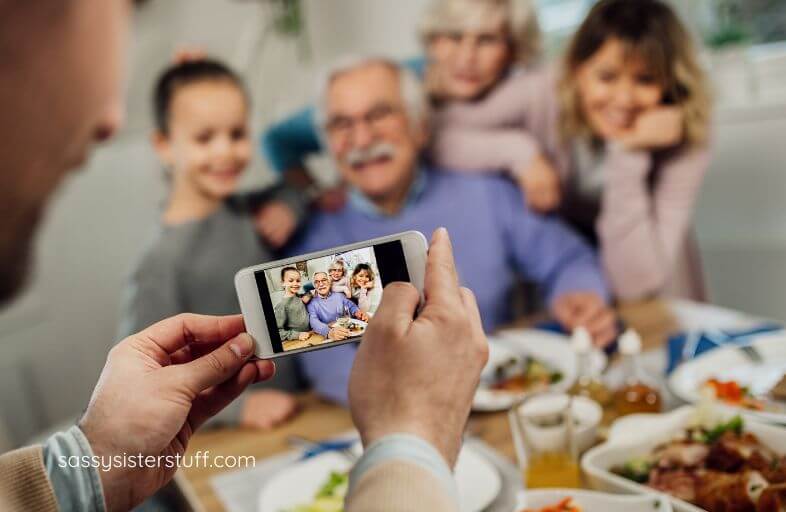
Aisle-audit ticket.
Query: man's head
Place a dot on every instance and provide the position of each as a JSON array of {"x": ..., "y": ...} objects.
[
  {"x": 322, "y": 283},
  {"x": 373, "y": 114},
  {"x": 62, "y": 67}
]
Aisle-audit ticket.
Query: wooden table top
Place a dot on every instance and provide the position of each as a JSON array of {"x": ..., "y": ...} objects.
[{"x": 321, "y": 420}]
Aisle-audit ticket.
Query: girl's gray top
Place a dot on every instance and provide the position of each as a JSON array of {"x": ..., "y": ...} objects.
[{"x": 191, "y": 268}]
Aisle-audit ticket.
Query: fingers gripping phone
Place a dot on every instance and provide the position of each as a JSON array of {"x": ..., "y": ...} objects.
[{"x": 325, "y": 298}]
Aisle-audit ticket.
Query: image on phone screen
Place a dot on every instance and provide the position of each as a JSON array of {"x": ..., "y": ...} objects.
[{"x": 330, "y": 298}]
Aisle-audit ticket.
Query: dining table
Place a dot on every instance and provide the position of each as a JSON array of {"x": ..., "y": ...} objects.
[{"x": 320, "y": 420}]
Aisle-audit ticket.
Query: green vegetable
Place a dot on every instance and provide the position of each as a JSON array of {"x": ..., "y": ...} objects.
[
  {"x": 637, "y": 469},
  {"x": 335, "y": 485},
  {"x": 329, "y": 497},
  {"x": 733, "y": 425},
  {"x": 555, "y": 377}
]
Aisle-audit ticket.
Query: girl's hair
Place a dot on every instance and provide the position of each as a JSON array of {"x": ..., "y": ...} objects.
[
  {"x": 360, "y": 267},
  {"x": 651, "y": 30},
  {"x": 457, "y": 15},
  {"x": 186, "y": 73},
  {"x": 288, "y": 269}
]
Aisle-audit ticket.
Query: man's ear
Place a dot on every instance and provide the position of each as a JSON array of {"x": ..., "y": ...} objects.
[{"x": 162, "y": 147}]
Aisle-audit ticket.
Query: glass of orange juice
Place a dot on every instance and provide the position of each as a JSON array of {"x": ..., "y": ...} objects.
[{"x": 542, "y": 428}]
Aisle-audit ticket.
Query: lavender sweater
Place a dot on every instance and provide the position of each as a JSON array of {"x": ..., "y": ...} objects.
[{"x": 494, "y": 235}]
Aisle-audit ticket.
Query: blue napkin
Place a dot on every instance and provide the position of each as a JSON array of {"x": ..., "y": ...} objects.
[{"x": 687, "y": 345}]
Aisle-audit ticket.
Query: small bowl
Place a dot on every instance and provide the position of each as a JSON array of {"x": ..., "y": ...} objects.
[{"x": 587, "y": 412}]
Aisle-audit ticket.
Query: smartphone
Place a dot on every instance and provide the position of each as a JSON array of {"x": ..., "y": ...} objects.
[{"x": 325, "y": 298}]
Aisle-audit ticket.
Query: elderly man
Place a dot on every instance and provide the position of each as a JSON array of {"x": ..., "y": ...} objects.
[
  {"x": 326, "y": 307},
  {"x": 61, "y": 91},
  {"x": 373, "y": 115}
]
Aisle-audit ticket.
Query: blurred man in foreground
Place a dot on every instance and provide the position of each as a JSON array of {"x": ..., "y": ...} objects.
[{"x": 60, "y": 92}]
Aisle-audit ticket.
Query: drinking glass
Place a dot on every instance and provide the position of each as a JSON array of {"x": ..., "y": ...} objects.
[{"x": 542, "y": 427}]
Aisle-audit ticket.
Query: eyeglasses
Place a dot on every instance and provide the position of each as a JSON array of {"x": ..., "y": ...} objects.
[{"x": 376, "y": 118}]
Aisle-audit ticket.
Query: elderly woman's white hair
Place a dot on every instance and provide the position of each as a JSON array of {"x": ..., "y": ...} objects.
[
  {"x": 519, "y": 16},
  {"x": 411, "y": 88}
]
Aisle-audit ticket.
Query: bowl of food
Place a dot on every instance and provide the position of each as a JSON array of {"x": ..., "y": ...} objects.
[
  {"x": 703, "y": 458},
  {"x": 749, "y": 379},
  {"x": 527, "y": 361}
]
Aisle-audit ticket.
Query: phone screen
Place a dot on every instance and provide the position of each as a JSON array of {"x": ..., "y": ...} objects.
[{"x": 330, "y": 298}]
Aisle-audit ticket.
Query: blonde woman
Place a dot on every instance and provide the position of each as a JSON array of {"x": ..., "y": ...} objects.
[
  {"x": 479, "y": 61},
  {"x": 635, "y": 114},
  {"x": 364, "y": 288}
]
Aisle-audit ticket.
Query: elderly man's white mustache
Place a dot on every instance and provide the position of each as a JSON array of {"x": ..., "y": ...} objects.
[{"x": 363, "y": 156}]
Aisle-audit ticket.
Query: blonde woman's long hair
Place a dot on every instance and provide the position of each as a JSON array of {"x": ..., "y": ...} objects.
[
  {"x": 651, "y": 30},
  {"x": 519, "y": 16}
]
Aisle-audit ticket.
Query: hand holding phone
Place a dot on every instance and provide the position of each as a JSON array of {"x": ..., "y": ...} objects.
[
  {"x": 327, "y": 293},
  {"x": 418, "y": 376}
]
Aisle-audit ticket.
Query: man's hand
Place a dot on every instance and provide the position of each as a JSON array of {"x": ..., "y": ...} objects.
[
  {"x": 540, "y": 184},
  {"x": 157, "y": 388},
  {"x": 303, "y": 336},
  {"x": 361, "y": 316},
  {"x": 587, "y": 309},
  {"x": 658, "y": 128},
  {"x": 267, "y": 408},
  {"x": 275, "y": 222},
  {"x": 338, "y": 333},
  {"x": 419, "y": 376}
]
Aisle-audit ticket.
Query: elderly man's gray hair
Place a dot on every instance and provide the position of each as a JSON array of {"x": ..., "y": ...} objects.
[
  {"x": 409, "y": 84},
  {"x": 314, "y": 275}
]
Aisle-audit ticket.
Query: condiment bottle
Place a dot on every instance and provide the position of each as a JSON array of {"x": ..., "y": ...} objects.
[
  {"x": 639, "y": 392},
  {"x": 588, "y": 383}
]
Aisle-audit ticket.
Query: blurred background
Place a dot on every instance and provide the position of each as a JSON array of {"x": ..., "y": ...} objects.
[{"x": 54, "y": 338}]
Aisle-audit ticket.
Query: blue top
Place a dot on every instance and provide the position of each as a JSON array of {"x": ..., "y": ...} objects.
[
  {"x": 323, "y": 311},
  {"x": 287, "y": 143},
  {"x": 494, "y": 235}
]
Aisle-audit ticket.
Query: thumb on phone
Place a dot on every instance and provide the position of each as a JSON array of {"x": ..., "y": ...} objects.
[{"x": 217, "y": 366}]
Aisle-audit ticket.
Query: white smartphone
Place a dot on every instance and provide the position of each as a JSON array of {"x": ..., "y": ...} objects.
[{"x": 325, "y": 298}]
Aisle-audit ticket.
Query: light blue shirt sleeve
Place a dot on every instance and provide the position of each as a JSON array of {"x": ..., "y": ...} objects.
[
  {"x": 409, "y": 448},
  {"x": 73, "y": 472}
]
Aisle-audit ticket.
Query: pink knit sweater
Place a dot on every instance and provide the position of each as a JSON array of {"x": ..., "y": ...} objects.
[{"x": 642, "y": 216}]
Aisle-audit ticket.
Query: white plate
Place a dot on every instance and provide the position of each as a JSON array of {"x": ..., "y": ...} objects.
[
  {"x": 729, "y": 363},
  {"x": 594, "y": 501},
  {"x": 550, "y": 348},
  {"x": 638, "y": 435},
  {"x": 478, "y": 481}
]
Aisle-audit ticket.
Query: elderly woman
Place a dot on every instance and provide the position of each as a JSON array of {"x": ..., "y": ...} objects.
[{"x": 479, "y": 63}]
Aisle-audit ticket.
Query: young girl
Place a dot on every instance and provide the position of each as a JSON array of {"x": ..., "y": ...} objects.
[
  {"x": 364, "y": 289},
  {"x": 291, "y": 313},
  {"x": 338, "y": 278},
  {"x": 206, "y": 231}
]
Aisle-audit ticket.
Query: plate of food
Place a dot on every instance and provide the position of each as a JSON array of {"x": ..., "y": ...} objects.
[
  {"x": 320, "y": 483},
  {"x": 527, "y": 361},
  {"x": 750, "y": 380},
  {"x": 579, "y": 500},
  {"x": 703, "y": 458},
  {"x": 356, "y": 327}
]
